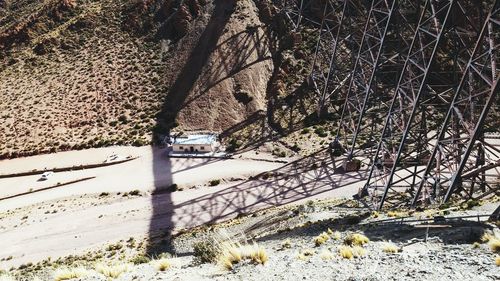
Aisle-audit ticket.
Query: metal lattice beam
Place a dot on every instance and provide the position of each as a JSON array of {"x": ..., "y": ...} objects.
[
  {"x": 339, "y": 36},
  {"x": 417, "y": 81},
  {"x": 380, "y": 57},
  {"x": 463, "y": 155}
]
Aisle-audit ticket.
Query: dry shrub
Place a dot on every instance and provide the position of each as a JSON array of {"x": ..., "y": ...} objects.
[
  {"x": 390, "y": 248},
  {"x": 326, "y": 255},
  {"x": 206, "y": 251},
  {"x": 487, "y": 237},
  {"x": 358, "y": 251},
  {"x": 302, "y": 257},
  {"x": 494, "y": 245},
  {"x": 348, "y": 252},
  {"x": 356, "y": 239},
  {"x": 287, "y": 244},
  {"x": 305, "y": 254},
  {"x": 321, "y": 239},
  {"x": 335, "y": 235},
  {"x": 112, "y": 271},
  {"x": 162, "y": 264},
  {"x": 234, "y": 253},
  {"x": 396, "y": 214},
  {"x": 66, "y": 273}
]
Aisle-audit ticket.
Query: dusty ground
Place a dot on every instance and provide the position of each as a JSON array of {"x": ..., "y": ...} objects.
[
  {"x": 96, "y": 211},
  {"x": 287, "y": 234}
]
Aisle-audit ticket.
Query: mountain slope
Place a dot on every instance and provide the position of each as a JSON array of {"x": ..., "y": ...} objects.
[{"x": 85, "y": 73}]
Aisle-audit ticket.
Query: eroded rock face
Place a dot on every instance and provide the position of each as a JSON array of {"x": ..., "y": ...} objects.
[{"x": 233, "y": 80}]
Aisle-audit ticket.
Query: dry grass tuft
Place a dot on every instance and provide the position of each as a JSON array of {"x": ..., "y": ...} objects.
[
  {"x": 487, "y": 237},
  {"x": 259, "y": 255},
  {"x": 390, "y": 248},
  {"x": 321, "y": 239},
  {"x": 234, "y": 253},
  {"x": 375, "y": 214},
  {"x": 305, "y": 254},
  {"x": 356, "y": 239},
  {"x": 494, "y": 244},
  {"x": 497, "y": 260},
  {"x": 476, "y": 245},
  {"x": 346, "y": 252},
  {"x": 308, "y": 252},
  {"x": 358, "y": 251},
  {"x": 326, "y": 255},
  {"x": 162, "y": 264},
  {"x": 287, "y": 244},
  {"x": 302, "y": 257},
  {"x": 396, "y": 214},
  {"x": 112, "y": 271},
  {"x": 65, "y": 273}
]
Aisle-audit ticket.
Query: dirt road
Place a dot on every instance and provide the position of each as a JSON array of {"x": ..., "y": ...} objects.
[{"x": 60, "y": 222}]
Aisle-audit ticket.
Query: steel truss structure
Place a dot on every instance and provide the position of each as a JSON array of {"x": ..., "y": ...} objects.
[{"x": 418, "y": 81}]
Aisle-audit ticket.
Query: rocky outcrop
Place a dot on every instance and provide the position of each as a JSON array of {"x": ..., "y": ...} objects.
[{"x": 233, "y": 80}]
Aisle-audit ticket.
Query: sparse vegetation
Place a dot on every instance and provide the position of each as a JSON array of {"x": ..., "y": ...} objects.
[
  {"x": 173, "y": 188},
  {"x": 162, "y": 264},
  {"x": 214, "y": 182},
  {"x": 114, "y": 247},
  {"x": 104, "y": 194},
  {"x": 348, "y": 252},
  {"x": 286, "y": 244},
  {"x": 326, "y": 255},
  {"x": 66, "y": 273},
  {"x": 494, "y": 244},
  {"x": 140, "y": 259},
  {"x": 112, "y": 271},
  {"x": 234, "y": 253},
  {"x": 356, "y": 239},
  {"x": 390, "y": 248},
  {"x": 487, "y": 237},
  {"x": 397, "y": 214},
  {"x": 135, "y": 192},
  {"x": 321, "y": 239},
  {"x": 206, "y": 251},
  {"x": 233, "y": 145}
]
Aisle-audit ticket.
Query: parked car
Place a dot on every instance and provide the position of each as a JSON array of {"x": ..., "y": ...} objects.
[
  {"x": 45, "y": 176},
  {"x": 111, "y": 158}
]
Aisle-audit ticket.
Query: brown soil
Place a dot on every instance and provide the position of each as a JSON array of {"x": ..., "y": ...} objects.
[{"x": 88, "y": 73}]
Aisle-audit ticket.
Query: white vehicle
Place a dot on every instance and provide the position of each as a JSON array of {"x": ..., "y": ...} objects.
[
  {"x": 113, "y": 157},
  {"x": 45, "y": 176}
]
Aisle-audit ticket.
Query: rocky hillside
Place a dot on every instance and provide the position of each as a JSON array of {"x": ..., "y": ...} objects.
[
  {"x": 86, "y": 73},
  {"x": 318, "y": 240}
]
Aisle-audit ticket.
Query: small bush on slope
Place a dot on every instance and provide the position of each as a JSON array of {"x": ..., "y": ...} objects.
[
  {"x": 66, "y": 273},
  {"x": 356, "y": 239}
]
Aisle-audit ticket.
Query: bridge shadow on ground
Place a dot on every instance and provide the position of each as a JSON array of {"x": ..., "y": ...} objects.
[
  {"x": 161, "y": 223},
  {"x": 294, "y": 182},
  {"x": 305, "y": 179}
]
